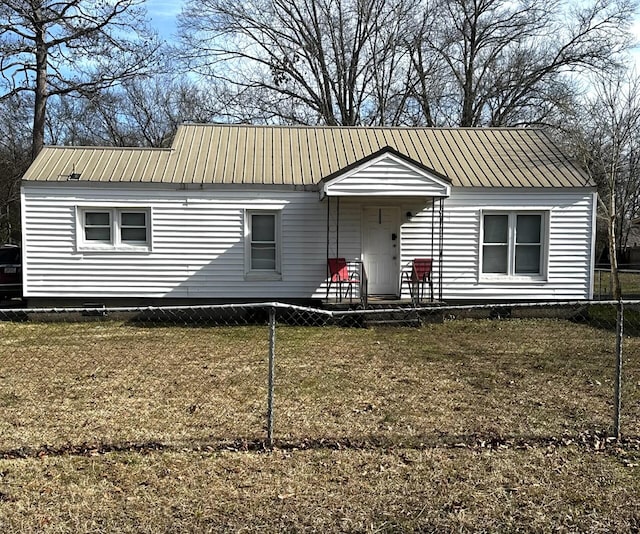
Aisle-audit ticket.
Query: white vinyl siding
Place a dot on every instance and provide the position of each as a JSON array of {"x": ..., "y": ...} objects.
[
  {"x": 197, "y": 246},
  {"x": 197, "y": 238},
  {"x": 569, "y": 243},
  {"x": 387, "y": 176}
]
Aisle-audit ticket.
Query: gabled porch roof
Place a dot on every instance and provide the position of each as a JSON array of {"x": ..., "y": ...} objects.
[{"x": 388, "y": 173}]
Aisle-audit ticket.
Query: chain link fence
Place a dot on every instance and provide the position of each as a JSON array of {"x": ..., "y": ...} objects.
[{"x": 256, "y": 375}]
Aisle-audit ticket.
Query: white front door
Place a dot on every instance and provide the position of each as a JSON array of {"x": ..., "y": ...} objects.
[{"x": 381, "y": 249}]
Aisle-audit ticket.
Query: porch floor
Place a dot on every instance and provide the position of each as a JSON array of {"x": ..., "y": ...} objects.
[{"x": 374, "y": 302}]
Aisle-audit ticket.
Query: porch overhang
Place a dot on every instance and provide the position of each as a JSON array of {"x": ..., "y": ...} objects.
[{"x": 386, "y": 173}]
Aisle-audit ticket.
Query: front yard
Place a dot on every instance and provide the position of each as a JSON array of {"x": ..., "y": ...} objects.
[{"x": 472, "y": 425}]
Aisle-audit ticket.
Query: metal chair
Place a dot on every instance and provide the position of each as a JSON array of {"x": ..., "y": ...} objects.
[
  {"x": 418, "y": 277},
  {"x": 339, "y": 275}
]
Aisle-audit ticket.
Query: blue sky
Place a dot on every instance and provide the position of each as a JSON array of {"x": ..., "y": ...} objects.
[{"x": 163, "y": 16}]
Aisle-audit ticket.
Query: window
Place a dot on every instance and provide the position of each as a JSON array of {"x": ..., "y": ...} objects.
[
  {"x": 113, "y": 229},
  {"x": 133, "y": 227},
  {"x": 97, "y": 226},
  {"x": 263, "y": 248},
  {"x": 513, "y": 244}
]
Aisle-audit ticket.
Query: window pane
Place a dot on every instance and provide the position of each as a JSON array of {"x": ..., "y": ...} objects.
[
  {"x": 528, "y": 229},
  {"x": 496, "y": 228},
  {"x": 494, "y": 259},
  {"x": 98, "y": 234},
  {"x": 263, "y": 257},
  {"x": 134, "y": 234},
  {"x": 263, "y": 228},
  {"x": 97, "y": 218},
  {"x": 134, "y": 219},
  {"x": 527, "y": 259}
]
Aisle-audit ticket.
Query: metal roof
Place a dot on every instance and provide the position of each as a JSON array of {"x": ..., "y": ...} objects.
[{"x": 304, "y": 155}]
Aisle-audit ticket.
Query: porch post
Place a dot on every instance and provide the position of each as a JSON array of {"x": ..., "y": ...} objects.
[
  {"x": 433, "y": 223},
  {"x": 440, "y": 252},
  {"x": 338, "y": 228},
  {"x": 328, "y": 236}
]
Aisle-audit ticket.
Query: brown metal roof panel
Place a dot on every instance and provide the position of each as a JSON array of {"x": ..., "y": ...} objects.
[
  {"x": 288, "y": 165},
  {"x": 353, "y": 148},
  {"x": 155, "y": 166},
  {"x": 447, "y": 153},
  {"x": 275, "y": 176},
  {"x": 484, "y": 160},
  {"x": 107, "y": 174},
  {"x": 182, "y": 171},
  {"x": 532, "y": 165},
  {"x": 569, "y": 172},
  {"x": 44, "y": 167},
  {"x": 412, "y": 147},
  {"x": 171, "y": 166},
  {"x": 227, "y": 153},
  {"x": 312, "y": 153},
  {"x": 514, "y": 152},
  {"x": 187, "y": 170},
  {"x": 335, "y": 157},
  {"x": 399, "y": 139},
  {"x": 252, "y": 156},
  {"x": 305, "y": 160},
  {"x": 51, "y": 164},
  {"x": 429, "y": 150},
  {"x": 118, "y": 163},
  {"x": 492, "y": 145},
  {"x": 151, "y": 163},
  {"x": 209, "y": 155},
  {"x": 141, "y": 159},
  {"x": 239, "y": 170},
  {"x": 198, "y": 165}
]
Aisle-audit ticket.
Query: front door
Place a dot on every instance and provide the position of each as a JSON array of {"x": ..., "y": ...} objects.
[{"x": 381, "y": 249}]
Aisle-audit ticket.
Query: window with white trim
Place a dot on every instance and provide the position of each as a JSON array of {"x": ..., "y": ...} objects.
[
  {"x": 262, "y": 242},
  {"x": 514, "y": 244},
  {"x": 113, "y": 229}
]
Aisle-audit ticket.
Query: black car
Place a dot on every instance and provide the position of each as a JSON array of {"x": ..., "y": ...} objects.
[{"x": 10, "y": 271}]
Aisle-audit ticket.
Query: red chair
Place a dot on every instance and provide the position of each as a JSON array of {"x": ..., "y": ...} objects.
[
  {"x": 420, "y": 276},
  {"x": 339, "y": 274}
]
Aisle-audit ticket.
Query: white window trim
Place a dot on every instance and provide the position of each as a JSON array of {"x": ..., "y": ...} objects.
[
  {"x": 544, "y": 253},
  {"x": 116, "y": 244},
  {"x": 260, "y": 274}
]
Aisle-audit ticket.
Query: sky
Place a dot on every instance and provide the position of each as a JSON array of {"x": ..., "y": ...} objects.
[{"x": 163, "y": 16}]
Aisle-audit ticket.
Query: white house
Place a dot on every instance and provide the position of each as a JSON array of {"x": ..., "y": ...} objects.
[{"x": 242, "y": 213}]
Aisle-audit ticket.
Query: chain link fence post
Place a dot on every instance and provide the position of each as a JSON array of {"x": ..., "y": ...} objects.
[
  {"x": 618, "y": 378},
  {"x": 272, "y": 360}
]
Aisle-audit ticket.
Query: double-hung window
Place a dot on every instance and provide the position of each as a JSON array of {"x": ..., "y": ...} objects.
[
  {"x": 263, "y": 243},
  {"x": 113, "y": 229},
  {"x": 514, "y": 244}
]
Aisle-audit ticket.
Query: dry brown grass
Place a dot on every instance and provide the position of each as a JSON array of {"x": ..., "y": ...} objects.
[{"x": 463, "y": 426}]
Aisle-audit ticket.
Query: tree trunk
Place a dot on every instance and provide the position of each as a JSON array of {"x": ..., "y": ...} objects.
[
  {"x": 40, "y": 105},
  {"x": 613, "y": 256}
]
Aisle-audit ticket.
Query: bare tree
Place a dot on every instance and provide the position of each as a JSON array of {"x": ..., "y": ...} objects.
[
  {"x": 433, "y": 62},
  {"x": 607, "y": 140},
  {"x": 144, "y": 112},
  {"x": 500, "y": 62},
  {"x": 15, "y": 149},
  {"x": 63, "y": 47},
  {"x": 323, "y": 61}
]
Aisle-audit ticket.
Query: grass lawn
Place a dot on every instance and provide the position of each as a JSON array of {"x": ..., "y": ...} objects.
[
  {"x": 469, "y": 425},
  {"x": 629, "y": 283}
]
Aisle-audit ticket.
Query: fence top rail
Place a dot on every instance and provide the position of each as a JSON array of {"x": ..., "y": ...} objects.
[
  {"x": 620, "y": 270},
  {"x": 308, "y": 309}
]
